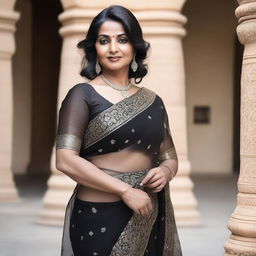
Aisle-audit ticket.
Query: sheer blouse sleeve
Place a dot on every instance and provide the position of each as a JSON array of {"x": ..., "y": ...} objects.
[
  {"x": 167, "y": 150},
  {"x": 73, "y": 119}
]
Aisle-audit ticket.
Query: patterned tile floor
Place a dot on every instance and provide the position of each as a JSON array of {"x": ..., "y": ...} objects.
[{"x": 20, "y": 235}]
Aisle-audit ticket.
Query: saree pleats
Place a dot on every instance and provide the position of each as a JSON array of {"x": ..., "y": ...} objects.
[{"x": 134, "y": 238}]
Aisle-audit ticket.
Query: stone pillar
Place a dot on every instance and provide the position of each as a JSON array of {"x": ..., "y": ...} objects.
[
  {"x": 167, "y": 77},
  {"x": 242, "y": 223},
  {"x": 60, "y": 186},
  {"x": 8, "y": 19},
  {"x": 162, "y": 25}
]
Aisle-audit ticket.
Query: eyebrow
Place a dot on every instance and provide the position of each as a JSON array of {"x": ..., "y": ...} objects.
[{"x": 123, "y": 34}]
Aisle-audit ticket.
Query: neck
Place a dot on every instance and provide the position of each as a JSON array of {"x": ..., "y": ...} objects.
[{"x": 119, "y": 77}]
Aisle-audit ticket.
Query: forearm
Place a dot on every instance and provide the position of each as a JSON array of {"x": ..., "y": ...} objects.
[
  {"x": 171, "y": 165},
  {"x": 87, "y": 174}
]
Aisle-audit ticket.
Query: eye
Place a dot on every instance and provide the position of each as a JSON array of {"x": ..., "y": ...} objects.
[
  {"x": 103, "y": 41},
  {"x": 123, "y": 40}
]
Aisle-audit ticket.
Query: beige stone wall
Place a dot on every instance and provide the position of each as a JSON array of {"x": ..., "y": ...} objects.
[
  {"x": 22, "y": 88},
  {"x": 209, "y": 51}
]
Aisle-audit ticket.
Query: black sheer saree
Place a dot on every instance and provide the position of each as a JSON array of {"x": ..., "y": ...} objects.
[{"x": 91, "y": 125}]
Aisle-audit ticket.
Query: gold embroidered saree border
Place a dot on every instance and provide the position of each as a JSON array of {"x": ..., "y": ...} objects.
[
  {"x": 117, "y": 115},
  {"x": 135, "y": 236},
  {"x": 68, "y": 141},
  {"x": 171, "y": 240},
  {"x": 170, "y": 153}
]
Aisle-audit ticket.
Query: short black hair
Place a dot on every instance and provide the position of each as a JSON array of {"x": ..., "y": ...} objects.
[{"x": 134, "y": 33}]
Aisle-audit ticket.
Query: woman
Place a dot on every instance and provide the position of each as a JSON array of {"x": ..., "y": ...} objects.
[{"x": 117, "y": 148}]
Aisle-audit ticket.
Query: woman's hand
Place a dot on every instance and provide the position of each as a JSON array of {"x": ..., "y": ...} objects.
[
  {"x": 137, "y": 200},
  {"x": 156, "y": 179}
]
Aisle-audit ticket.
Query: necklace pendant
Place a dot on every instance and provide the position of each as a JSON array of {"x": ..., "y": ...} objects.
[{"x": 125, "y": 94}]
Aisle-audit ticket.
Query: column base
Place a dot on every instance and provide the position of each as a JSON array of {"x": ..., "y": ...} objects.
[
  {"x": 8, "y": 194},
  {"x": 60, "y": 188},
  {"x": 187, "y": 218},
  {"x": 240, "y": 246},
  {"x": 184, "y": 202},
  {"x": 8, "y": 191}
]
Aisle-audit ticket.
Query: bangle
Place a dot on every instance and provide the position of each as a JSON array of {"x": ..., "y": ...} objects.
[{"x": 170, "y": 171}]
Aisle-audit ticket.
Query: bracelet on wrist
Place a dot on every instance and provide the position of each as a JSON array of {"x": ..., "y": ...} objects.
[{"x": 170, "y": 171}]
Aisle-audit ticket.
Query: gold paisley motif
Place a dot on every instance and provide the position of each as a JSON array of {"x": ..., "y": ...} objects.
[
  {"x": 68, "y": 141},
  {"x": 117, "y": 115},
  {"x": 134, "y": 238}
]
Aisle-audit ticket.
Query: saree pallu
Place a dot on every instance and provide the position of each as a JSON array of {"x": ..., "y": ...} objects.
[
  {"x": 134, "y": 238},
  {"x": 137, "y": 123}
]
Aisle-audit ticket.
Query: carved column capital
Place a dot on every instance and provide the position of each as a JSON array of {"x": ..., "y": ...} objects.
[
  {"x": 163, "y": 22},
  {"x": 246, "y": 15},
  {"x": 8, "y": 20},
  {"x": 133, "y": 5}
]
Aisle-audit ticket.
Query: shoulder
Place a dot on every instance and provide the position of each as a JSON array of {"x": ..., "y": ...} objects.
[
  {"x": 152, "y": 93},
  {"x": 80, "y": 90},
  {"x": 81, "y": 87}
]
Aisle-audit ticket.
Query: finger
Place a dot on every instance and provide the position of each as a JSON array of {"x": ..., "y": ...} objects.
[
  {"x": 150, "y": 207},
  {"x": 158, "y": 189},
  {"x": 155, "y": 178},
  {"x": 147, "y": 178},
  {"x": 154, "y": 184},
  {"x": 137, "y": 211},
  {"x": 142, "y": 212},
  {"x": 147, "y": 210}
]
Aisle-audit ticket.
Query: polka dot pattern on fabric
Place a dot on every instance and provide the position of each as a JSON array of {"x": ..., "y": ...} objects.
[
  {"x": 103, "y": 229},
  {"x": 94, "y": 210}
]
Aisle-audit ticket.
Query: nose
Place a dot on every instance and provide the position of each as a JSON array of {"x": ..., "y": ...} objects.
[{"x": 113, "y": 48}]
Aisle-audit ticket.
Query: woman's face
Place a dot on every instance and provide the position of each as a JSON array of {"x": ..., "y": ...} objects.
[{"x": 114, "y": 50}]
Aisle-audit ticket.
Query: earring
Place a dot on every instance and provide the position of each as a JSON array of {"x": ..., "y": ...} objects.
[
  {"x": 97, "y": 67},
  {"x": 134, "y": 65}
]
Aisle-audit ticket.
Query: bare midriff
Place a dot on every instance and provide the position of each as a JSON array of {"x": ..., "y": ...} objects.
[{"x": 123, "y": 161}]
